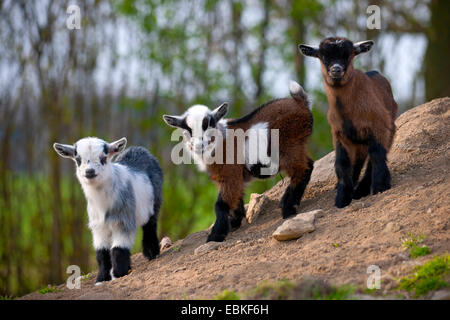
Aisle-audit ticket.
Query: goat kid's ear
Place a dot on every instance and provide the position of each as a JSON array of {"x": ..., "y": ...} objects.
[
  {"x": 64, "y": 150},
  {"x": 220, "y": 111},
  {"x": 174, "y": 121},
  {"x": 310, "y": 51},
  {"x": 117, "y": 146},
  {"x": 362, "y": 46}
]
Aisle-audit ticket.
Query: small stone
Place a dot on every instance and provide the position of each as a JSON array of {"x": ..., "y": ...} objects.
[
  {"x": 403, "y": 256},
  {"x": 429, "y": 211},
  {"x": 358, "y": 205},
  {"x": 179, "y": 269},
  {"x": 297, "y": 226},
  {"x": 166, "y": 243},
  {"x": 255, "y": 206},
  {"x": 391, "y": 227},
  {"x": 207, "y": 247}
]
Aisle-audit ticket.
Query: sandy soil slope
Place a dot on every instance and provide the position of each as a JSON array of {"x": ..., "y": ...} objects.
[{"x": 367, "y": 232}]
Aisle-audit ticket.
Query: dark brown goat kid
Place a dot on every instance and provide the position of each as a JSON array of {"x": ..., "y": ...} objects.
[
  {"x": 361, "y": 115},
  {"x": 293, "y": 119}
]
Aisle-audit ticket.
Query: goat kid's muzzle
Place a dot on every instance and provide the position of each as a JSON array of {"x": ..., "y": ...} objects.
[
  {"x": 90, "y": 174},
  {"x": 336, "y": 72}
]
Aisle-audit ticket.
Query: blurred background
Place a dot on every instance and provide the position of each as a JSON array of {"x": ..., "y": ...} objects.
[{"x": 134, "y": 60}]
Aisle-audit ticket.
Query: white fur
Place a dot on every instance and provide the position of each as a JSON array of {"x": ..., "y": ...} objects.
[
  {"x": 199, "y": 144},
  {"x": 101, "y": 199},
  {"x": 296, "y": 88},
  {"x": 143, "y": 193},
  {"x": 201, "y": 156},
  {"x": 194, "y": 117},
  {"x": 257, "y": 151},
  {"x": 101, "y": 195}
]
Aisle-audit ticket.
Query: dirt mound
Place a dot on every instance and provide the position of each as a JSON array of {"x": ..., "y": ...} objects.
[{"x": 345, "y": 242}]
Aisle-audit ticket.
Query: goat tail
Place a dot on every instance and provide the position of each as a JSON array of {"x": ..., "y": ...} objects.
[{"x": 298, "y": 93}]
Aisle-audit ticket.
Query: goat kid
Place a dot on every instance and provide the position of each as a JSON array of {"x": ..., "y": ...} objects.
[
  {"x": 361, "y": 115},
  {"x": 292, "y": 118},
  {"x": 121, "y": 195}
]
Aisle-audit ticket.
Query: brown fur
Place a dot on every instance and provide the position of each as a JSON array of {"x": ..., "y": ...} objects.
[
  {"x": 366, "y": 101},
  {"x": 361, "y": 115},
  {"x": 294, "y": 121}
]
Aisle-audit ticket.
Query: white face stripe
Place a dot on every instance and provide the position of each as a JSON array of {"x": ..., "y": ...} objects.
[
  {"x": 194, "y": 118},
  {"x": 90, "y": 148}
]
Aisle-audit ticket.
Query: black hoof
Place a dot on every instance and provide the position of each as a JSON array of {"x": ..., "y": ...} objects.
[
  {"x": 235, "y": 223},
  {"x": 121, "y": 262},
  {"x": 216, "y": 237},
  {"x": 103, "y": 276},
  {"x": 381, "y": 188},
  {"x": 360, "y": 192},
  {"x": 289, "y": 212},
  {"x": 149, "y": 254},
  {"x": 344, "y": 197}
]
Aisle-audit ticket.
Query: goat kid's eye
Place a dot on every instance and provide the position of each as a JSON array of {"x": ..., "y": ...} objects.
[
  {"x": 103, "y": 160},
  {"x": 78, "y": 160},
  {"x": 205, "y": 124}
]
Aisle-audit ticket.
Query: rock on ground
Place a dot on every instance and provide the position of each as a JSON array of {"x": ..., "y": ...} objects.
[
  {"x": 166, "y": 243},
  {"x": 255, "y": 206},
  {"x": 207, "y": 247},
  {"x": 297, "y": 226}
]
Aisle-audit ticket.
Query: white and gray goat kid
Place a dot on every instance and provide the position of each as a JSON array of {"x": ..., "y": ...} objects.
[{"x": 122, "y": 194}]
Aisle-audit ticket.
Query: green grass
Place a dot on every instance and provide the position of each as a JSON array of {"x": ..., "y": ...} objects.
[
  {"x": 227, "y": 295},
  {"x": 369, "y": 291},
  {"x": 279, "y": 290},
  {"x": 338, "y": 293},
  {"x": 6, "y": 297},
  {"x": 288, "y": 290},
  {"x": 433, "y": 275},
  {"x": 48, "y": 289},
  {"x": 412, "y": 243},
  {"x": 26, "y": 233},
  {"x": 86, "y": 277},
  {"x": 419, "y": 251}
]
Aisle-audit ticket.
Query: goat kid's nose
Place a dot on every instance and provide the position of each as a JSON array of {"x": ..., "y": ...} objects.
[
  {"x": 90, "y": 173},
  {"x": 336, "y": 68}
]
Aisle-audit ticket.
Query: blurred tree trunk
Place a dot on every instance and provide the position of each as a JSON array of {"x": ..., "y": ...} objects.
[
  {"x": 236, "y": 15},
  {"x": 299, "y": 32},
  {"x": 261, "y": 64},
  {"x": 437, "y": 62},
  {"x": 53, "y": 116},
  {"x": 5, "y": 216},
  {"x": 55, "y": 247}
]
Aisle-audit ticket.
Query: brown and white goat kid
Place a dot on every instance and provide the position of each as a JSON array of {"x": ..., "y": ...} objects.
[
  {"x": 361, "y": 115},
  {"x": 292, "y": 118}
]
